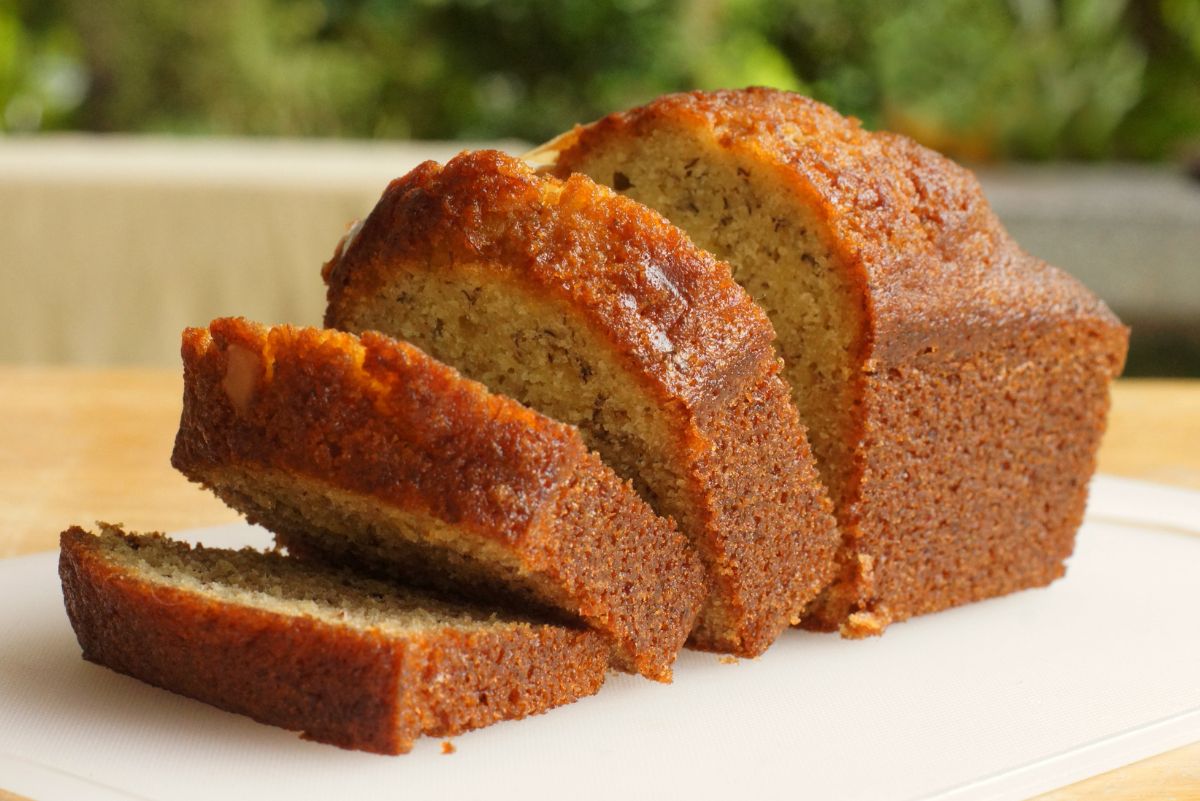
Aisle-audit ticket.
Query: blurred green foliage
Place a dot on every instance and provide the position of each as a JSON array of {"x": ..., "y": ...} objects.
[{"x": 980, "y": 79}]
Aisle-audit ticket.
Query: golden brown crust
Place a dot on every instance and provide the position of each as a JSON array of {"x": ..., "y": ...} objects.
[
  {"x": 378, "y": 420},
  {"x": 672, "y": 315},
  {"x": 672, "y": 311},
  {"x": 971, "y": 354},
  {"x": 911, "y": 226},
  {"x": 354, "y": 688},
  {"x": 375, "y": 414}
]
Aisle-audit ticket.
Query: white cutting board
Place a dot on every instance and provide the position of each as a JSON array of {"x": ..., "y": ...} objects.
[{"x": 999, "y": 700}]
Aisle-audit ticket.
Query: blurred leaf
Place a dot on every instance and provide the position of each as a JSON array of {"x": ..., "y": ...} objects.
[
  {"x": 42, "y": 77},
  {"x": 976, "y": 78}
]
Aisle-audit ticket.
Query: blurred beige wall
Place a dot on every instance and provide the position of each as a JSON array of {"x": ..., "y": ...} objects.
[{"x": 110, "y": 246}]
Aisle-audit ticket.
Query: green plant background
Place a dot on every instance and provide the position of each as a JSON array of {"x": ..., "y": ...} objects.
[{"x": 980, "y": 79}]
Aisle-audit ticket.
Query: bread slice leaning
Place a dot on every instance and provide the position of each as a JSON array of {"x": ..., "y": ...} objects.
[
  {"x": 594, "y": 310},
  {"x": 369, "y": 453},
  {"x": 349, "y": 661},
  {"x": 955, "y": 387}
]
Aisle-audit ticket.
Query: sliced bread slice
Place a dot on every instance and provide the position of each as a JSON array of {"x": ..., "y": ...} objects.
[
  {"x": 369, "y": 453},
  {"x": 594, "y": 310},
  {"x": 349, "y": 661}
]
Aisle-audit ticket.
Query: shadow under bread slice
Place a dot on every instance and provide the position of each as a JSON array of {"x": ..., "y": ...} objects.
[
  {"x": 349, "y": 661},
  {"x": 594, "y": 310},
  {"x": 368, "y": 453}
]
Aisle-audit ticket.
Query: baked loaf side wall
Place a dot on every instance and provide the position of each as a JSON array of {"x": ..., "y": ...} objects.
[
  {"x": 976, "y": 478},
  {"x": 380, "y": 458},
  {"x": 466, "y": 679},
  {"x": 778, "y": 536},
  {"x": 354, "y": 687},
  {"x": 652, "y": 596}
]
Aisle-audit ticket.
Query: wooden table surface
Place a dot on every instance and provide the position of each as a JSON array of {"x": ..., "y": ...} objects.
[{"x": 78, "y": 445}]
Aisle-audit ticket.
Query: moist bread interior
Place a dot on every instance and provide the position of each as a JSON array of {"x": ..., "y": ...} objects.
[
  {"x": 533, "y": 350},
  {"x": 274, "y": 583},
  {"x": 310, "y": 517}
]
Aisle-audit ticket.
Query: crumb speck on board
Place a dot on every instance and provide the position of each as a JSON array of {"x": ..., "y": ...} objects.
[
  {"x": 448, "y": 747},
  {"x": 727, "y": 660}
]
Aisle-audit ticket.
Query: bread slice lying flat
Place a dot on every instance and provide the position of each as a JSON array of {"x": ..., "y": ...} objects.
[
  {"x": 955, "y": 387},
  {"x": 349, "y": 661},
  {"x": 369, "y": 453},
  {"x": 594, "y": 310}
]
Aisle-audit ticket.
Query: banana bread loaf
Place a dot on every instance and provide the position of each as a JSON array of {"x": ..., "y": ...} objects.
[
  {"x": 369, "y": 453},
  {"x": 955, "y": 388},
  {"x": 594, "y": 310},
  {"x": 349, "y": 661}
]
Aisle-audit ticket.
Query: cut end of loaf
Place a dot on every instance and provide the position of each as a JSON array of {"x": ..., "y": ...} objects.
[
  {"x": 324, "y": 522},
  {"x": 276, "y": 583}
]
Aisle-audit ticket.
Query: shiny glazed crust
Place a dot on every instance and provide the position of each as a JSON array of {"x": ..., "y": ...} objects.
[
  {"x": 671, "y": 311},
  {"x": 912, "y": 226},
  {"x": 675, "y": 320},
  {"x": 983, "y": 372},
  {"x": 354, "y": 688},
  {"x": 380, "y": 427}
]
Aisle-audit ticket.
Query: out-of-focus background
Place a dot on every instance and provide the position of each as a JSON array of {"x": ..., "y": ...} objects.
[{"x": 166, "y": 162}]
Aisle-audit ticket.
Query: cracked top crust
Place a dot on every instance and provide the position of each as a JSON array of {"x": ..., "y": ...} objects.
[
  {"x": 912, "y": 227},
  {"x": 678, "y": 315}
]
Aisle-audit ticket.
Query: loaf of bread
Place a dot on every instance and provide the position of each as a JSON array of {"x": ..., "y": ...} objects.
[
  {"x": 594, "y": 310},
  {"x": 955, "y": 388},
  {"x": 345, "y": 660},
  {"x": 369, "y": 453}
]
